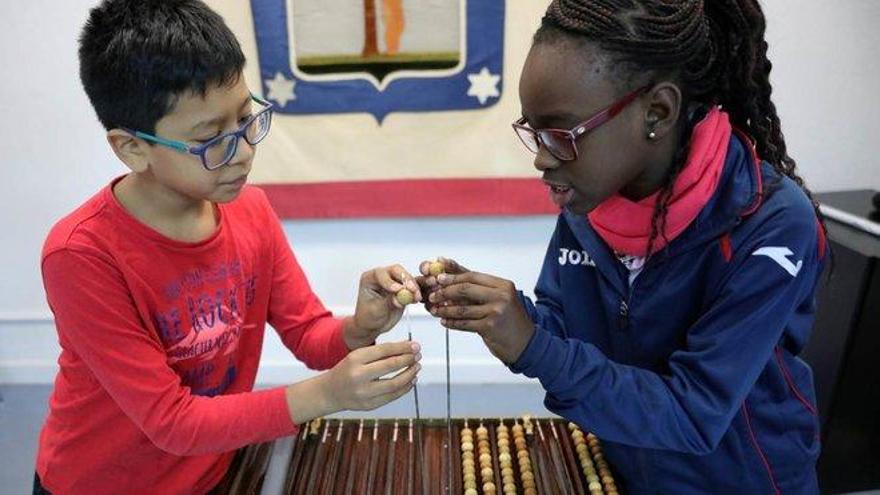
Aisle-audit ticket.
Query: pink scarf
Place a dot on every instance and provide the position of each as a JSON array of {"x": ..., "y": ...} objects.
[{"x": 626, "y": 225}]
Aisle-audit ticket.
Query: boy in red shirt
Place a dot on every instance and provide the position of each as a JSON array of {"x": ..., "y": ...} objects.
[{"x": 162, "y": 283}]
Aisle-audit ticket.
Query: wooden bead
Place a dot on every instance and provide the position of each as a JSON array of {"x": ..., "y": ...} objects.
[
  {"x": 404, "y": 297},
  {"x": 483, "y": 445},
  {"x": 466, "y": 431},
  {"x": 488, "y": 487},
  {"x": 467, "y": 455},
  {"x": 503, "y": 442},
  {"x": 436, "y": 268},
  {"x": 487, "y": 473},
  {"x": 471, "y": 491},
  {"x": 485, "y": 458},
  {"x": 504, "y": 457},
  {"x": 467, "y": 447},
  {"x": 507, "y": 471},
  {"x": 527, "y": 475},
  {"x": 581, "y": 448},
  {"x": 482, "y": 431},
  {"x": 517, "y": 429},
  {"x": 607, "y": 479},
  {"x": 595, "y": 486},
  {"x": 509, "y": 488},
  {"x": 469, "y": 477},
  {"x": 530, "y": 484},
  {"x": 470, "y": 485},
  {"x": 592, "y": 478},
  {"x": 530, "y": 491},
  {"x": 522, "y": 454}
]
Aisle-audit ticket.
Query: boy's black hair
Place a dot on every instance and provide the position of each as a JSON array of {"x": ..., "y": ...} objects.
[
  {"x": 715, "y": 48},
  {"x": 137, "y": 56}
]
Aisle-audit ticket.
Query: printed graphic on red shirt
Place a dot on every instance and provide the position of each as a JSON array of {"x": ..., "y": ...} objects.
[{"x": 201, "y": 322}]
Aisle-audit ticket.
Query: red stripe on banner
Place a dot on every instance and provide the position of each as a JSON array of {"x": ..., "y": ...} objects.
[{"x": 411, "y": 198}]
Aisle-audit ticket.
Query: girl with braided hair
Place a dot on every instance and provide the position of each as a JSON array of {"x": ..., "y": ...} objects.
[{"x": 678, "y": 288}]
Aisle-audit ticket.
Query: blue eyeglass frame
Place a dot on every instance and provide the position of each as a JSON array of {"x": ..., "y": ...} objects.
[{"x": 200, "y": 149}]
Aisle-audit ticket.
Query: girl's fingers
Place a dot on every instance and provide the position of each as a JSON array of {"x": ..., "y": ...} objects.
[
  {"x": 447, "y": 279},
  {"x": 472, "y": 326},
  {"x": 461, "y": 312},
  {"x": 464, "y": 293},
  {"x": 451, "y": 266}
]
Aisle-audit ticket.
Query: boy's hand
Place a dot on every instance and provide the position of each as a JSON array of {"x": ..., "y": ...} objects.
[
  {"x": 356, "y": 382},
  {"x": 378, "y": 309},
  {"x": 486, "y": 305}
]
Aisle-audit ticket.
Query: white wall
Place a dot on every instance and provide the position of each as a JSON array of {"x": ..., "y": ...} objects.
[{"x": 54, "y": 156}]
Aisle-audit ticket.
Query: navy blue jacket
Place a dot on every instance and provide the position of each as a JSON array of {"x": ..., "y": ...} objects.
[{"x": 690, "y": 376}]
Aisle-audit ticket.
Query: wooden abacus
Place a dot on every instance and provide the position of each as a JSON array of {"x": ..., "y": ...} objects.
[{"x": 381, "y": 457}]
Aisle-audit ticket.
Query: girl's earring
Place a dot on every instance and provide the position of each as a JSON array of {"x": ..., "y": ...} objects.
[{"x": 652, "y": 135}]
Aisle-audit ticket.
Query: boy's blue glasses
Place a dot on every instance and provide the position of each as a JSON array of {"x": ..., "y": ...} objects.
[{"x": 220, "y": 150}]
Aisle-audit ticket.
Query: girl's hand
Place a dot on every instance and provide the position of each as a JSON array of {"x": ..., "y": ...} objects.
[
  {"x": 356, "y": 382},
  {"x": 484, "y": 304},
  {"x": 378, "y": 309},
  {"x": 430, "y": 270}
]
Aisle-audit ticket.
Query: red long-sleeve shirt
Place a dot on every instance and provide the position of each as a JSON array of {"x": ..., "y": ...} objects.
[{"x": 160, "y": 343}]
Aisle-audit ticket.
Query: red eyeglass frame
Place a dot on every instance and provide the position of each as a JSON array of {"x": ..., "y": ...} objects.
[{"x": 580, "y": 130}]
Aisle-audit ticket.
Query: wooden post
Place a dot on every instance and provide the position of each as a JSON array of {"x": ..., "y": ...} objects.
[{"x": 371, "y": 42}]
